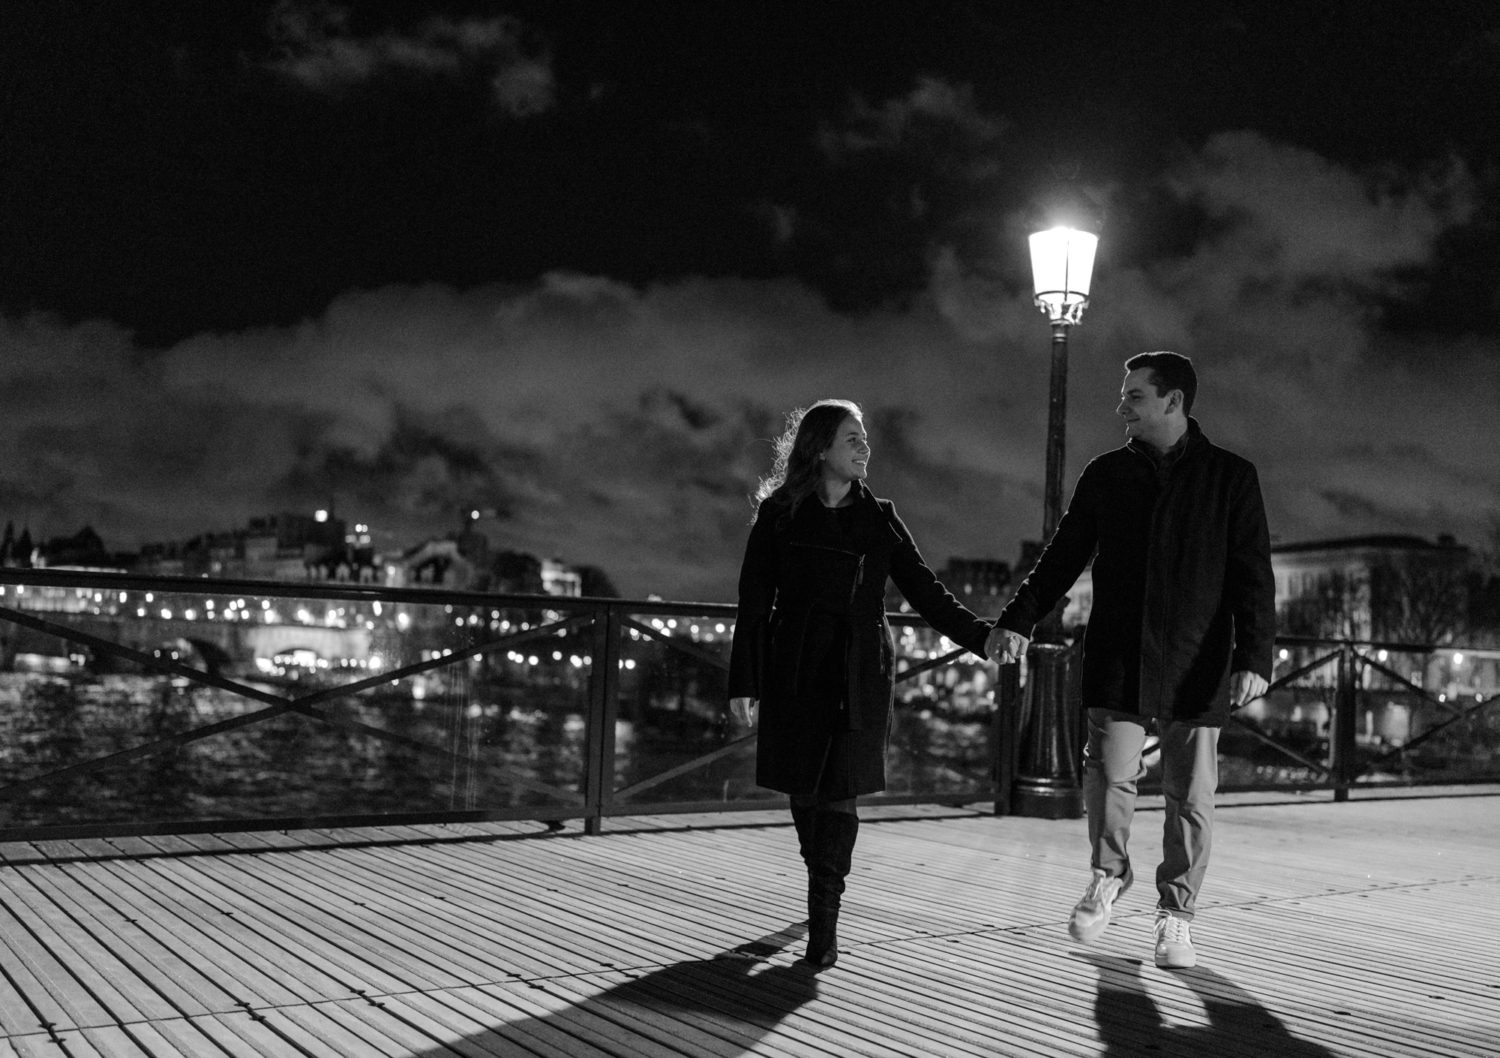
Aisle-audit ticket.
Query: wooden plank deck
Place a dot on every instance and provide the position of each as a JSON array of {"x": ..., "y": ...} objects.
[{"x": 1362, "y": 929}]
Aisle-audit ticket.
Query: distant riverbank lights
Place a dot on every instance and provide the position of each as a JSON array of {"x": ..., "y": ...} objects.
[{"x": 1062, "y": 266}]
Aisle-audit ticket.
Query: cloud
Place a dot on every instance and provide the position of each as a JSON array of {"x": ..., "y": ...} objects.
[
  {"x": 934, "y": 114},
  {"x": 316, "y": 48},
  {"x": 1301, "y": 216},
  {"x": 625, "y": 426}
]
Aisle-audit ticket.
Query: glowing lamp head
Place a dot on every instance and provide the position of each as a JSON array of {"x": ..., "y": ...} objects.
[{"x": 1062, "y": 263}]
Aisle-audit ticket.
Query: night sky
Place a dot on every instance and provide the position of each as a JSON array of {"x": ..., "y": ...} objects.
[{"x": 570, "y": 263}]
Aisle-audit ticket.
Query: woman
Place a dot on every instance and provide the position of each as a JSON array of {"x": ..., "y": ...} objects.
[{"x": 812, "y": 651}]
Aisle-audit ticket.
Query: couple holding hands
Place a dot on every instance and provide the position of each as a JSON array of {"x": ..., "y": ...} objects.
[{"x": 1181, "y": 631}]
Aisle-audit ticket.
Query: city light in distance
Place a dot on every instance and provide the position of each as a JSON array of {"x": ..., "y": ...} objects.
[{"x": 320, "y": 516}]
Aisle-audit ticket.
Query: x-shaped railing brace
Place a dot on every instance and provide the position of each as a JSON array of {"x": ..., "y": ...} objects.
[{"x": 302, "y": 705}]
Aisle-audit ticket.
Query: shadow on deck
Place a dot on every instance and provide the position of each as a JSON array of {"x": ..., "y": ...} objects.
[{"x": 1365, "y": 928}]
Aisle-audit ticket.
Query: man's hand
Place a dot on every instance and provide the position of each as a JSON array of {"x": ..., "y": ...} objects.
[
  {"x": 1005, "y": 647},
  {"x": 744, "y": 710},
  {"x": 1246, "y": 687}
]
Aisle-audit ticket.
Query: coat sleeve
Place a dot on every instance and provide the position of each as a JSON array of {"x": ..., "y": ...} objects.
[
  {"x": 1249, "y": 584},
  {"x": 1066, "y": 556},
  {"x": 920, "y": 586},
  {"x": 757, "y": 597}
]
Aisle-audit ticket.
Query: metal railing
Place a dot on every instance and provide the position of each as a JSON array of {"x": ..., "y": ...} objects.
[
  {"x": 135, "y": 705},
  {"x": 158, "y": 705},
  {"x": 1340, "y": 715}
]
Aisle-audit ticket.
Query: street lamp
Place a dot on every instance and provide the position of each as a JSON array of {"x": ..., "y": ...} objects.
[
  {"x": 1047, "y": 780},
  {"x": 1062, "y": 263}
]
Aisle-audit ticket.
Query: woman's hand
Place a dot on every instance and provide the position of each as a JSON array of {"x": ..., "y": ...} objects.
[
  {"x": 744, "y": 710},
  {"x": 1006, "y": 647}
]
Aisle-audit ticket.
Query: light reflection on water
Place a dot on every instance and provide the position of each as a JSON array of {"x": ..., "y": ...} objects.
[
  {"x": 490, "y": 733},
  {"x": 284, "y": 766}
]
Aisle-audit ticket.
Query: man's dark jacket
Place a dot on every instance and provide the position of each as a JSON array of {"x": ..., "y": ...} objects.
[
  {"x": 1183, "y": 590},
  {"x": 799, "y": 573}
]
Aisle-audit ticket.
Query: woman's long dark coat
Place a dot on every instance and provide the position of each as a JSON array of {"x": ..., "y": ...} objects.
[{"x": 795, "y": 567}]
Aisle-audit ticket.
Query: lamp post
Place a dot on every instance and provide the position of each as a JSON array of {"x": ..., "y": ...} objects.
[{"x": 1047, "y": 769}]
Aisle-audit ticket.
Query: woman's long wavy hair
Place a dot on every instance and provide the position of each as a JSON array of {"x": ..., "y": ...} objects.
[{"x": 796, "y": 473}]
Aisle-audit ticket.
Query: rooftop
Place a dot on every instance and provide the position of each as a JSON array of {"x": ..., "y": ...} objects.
[
  {"x": 1384, "y": 542},
  {"x": 1364, "y": 928}
]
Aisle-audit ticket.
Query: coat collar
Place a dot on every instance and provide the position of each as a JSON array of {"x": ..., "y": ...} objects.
[
  {"x": 1194, "y": 442},
  {"x": 813, "y": 526}
]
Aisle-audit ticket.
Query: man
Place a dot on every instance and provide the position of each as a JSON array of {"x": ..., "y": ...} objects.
[{"x": 1183, "y": 624}]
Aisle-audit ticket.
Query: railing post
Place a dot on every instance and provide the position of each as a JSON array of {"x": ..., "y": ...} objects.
[
  {"x": 599, "y": 738},
  {"x": 1341, "y": 746},
  {"x": 1005, "y": 736}
]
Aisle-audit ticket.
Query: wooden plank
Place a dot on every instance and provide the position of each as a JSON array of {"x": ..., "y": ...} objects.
[
  {"x": 371, "y": 1023},
  {"x": 169, "y": 844},
  {"x": 336, "y": 930},
  {"x": 72, "y": 1043},
  {"x": 499, "y": 918},
  {"x": 205, "y": 1036},
  {"x": 315, "y": 1032},
  {"x": 113, "y": 1041},
  {"x": 187, "y": 951},
  {"x": 48, "y": 983},
  {"x": 96, "y": 964},
  {"x": 312, "y": 966},
  {"x": 248, "y": 1034},
  {"x": 1368, "y": 934},
  {"x": 152, "y": 1042},
  {"x": 466, "y": 1024},
  {"x": 423, "y": 929},
  {"x": 584, "y": 1031}
]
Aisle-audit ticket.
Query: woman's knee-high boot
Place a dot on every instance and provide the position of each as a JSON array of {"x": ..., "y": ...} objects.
[
  {"x": 835, "y": 834},
  {"x": 805, "y": 820}
]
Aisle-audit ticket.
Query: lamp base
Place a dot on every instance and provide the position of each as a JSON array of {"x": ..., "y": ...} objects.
[{"x": 1044, "y": 799}]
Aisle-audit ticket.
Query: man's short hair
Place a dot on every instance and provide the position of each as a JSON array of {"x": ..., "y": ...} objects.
[{"x": 1169, "y": 371}]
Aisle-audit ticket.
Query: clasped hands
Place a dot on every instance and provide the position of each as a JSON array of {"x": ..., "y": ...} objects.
[{"x": 1004, "y": 647}]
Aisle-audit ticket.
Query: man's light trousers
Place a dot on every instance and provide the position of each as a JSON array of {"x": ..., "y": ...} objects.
[{"x": 1112, "y": 766}]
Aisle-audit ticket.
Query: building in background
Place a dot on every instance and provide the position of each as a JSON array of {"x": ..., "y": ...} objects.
[
  {"x": 278, "y": 547},
  {"x": 1390, "y": 587}
]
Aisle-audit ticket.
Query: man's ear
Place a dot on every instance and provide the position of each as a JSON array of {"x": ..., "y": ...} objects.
[{"x": 1174, "y": 401}]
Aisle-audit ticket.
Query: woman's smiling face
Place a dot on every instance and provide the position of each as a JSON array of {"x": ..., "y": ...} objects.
[{"x": 848, "y": 458}]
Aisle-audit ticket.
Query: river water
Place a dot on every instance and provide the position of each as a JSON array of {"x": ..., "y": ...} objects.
[{"x": 462, "y": 742}]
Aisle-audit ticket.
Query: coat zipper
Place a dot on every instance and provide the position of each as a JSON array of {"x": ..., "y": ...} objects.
[{"x": 859, "y": 569}]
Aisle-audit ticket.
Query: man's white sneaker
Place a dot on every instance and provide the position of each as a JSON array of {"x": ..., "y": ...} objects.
[
  {"x": 1174, "y": 942},
  {"x": 1091, "y": 914}
]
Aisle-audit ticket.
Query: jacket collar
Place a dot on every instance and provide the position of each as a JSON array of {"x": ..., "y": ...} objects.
[{"x": 1193, "y": 442}]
